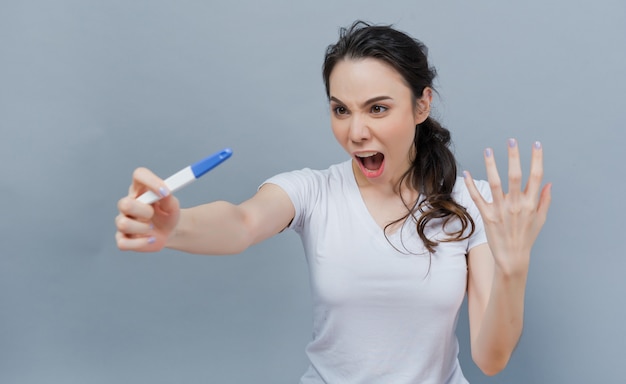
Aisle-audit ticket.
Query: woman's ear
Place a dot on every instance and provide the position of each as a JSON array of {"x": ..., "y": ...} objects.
[{"x": 422, "y": 107}]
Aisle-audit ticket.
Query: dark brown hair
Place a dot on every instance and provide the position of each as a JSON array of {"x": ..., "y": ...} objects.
[{"x": 433, "y": 169}]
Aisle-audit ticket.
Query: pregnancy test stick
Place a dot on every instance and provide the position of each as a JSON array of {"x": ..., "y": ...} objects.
[{"x": 188, "y": 174}]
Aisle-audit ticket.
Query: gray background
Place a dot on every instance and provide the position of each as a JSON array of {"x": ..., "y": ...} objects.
[{"x": 89, "y": 90}]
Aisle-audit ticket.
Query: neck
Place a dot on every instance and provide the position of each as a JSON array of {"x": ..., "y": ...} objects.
[{"x": 385, "y": 189}]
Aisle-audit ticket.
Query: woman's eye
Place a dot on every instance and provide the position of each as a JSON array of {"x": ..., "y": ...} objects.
[
  {"x": 340, "y": 110},
  {"x": 378, "y": 109}
]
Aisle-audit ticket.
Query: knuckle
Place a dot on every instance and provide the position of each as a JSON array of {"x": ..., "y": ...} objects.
[
  {"x": 489, "y": 218},
  {"x": 123, "y": 205},
  {"x": 528, "y": 205},
  {"x": 474, "y": 195},
  {"x": 515, "y": 176},
  {"x": 515, "y": 209},
  {"x": 120, "y": 241},
  {"x": 138, "y": 172},
  {"x": 536, "y": 174},
  {"x": 123, "y": 224},
  {"x": 495, "y": 184}
]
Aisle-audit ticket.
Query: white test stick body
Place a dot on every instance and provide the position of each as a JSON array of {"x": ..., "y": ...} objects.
[{"x": 187, "y": 175}]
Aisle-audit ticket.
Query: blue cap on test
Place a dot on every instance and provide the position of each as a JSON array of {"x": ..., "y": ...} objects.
[{"x": 205, "y": 165}]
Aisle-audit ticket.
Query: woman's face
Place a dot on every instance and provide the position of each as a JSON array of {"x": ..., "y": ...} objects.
[{"x": 373, "y": 117}]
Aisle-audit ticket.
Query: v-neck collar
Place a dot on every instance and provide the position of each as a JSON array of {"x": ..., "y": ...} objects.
[{"x": 369, "y": 222}]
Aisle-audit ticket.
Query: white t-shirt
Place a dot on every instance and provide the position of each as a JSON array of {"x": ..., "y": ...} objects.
[{"x": 380, "y": 315}]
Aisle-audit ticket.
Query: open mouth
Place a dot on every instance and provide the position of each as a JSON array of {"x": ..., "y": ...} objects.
[{"x": 371, "y": 163}]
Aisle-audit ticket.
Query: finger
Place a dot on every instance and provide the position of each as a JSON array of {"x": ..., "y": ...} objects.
[
  {"x": 493, "y": 177},
  {"x": 536, "y": 171},
  {"x": 476, "y": 196},
  {"x": 143, "y": 180},
  {"x": 544, "y": 201},
  {"x": 128, "y": 226},
  {"x": 515, "y": 169},
  {"x": 126, "y": 243},
  {"x": 130, "y": 207}
]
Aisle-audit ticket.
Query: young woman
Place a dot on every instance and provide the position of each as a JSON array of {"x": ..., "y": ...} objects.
[{"x": 393, "y": 238}]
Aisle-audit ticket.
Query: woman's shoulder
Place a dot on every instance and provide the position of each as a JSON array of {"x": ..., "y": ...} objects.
[
  {"x": 314, "y": 179},
  {"x": 337, "y": 171}
]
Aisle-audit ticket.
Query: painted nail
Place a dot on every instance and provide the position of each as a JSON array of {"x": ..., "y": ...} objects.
[
  {"x": 151, "y": 226},
  {"x": 512, "y": 143},
  {"x": 488, "y": 152},
  {"x": 537, "y": 145},
  {"x": 151, "y": 240},
  {"x": 465, "y": 174},
  {"x": 163, "y": 191}
]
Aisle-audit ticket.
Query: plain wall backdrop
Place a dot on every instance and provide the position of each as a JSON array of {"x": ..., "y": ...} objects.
[{"x": 89, "y": 90}]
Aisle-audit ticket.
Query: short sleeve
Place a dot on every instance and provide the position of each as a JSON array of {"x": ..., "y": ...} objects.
[
  {"x": 300, "y": 187},
  {"x": 479, "y": 236}
]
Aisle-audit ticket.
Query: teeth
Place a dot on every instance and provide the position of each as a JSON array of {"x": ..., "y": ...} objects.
[{"x": 366, "y": 154}]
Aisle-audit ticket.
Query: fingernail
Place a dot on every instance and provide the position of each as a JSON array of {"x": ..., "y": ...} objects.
[
  {"x": 465, "y": 174},
  {"x": 537, "y": 145},
  {"x": 151, "y": 226},
  {"x": 163, "y": 191},
  {"x": 488, "y": 152},
  {"x": 151, "y": 240},
  {"x": 512, "y": 143}
]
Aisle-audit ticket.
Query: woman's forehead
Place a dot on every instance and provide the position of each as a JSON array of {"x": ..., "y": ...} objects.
[{"x": 357, "y": 79}]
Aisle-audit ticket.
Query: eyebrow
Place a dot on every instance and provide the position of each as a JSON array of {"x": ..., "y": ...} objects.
[{"x": 366, "y": 103}]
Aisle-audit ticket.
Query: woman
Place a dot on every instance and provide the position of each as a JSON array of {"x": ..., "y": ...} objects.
[{"x": 393, "y": 239}]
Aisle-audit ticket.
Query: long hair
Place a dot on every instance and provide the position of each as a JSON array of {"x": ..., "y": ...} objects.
[{"x": 433, "y": 168}]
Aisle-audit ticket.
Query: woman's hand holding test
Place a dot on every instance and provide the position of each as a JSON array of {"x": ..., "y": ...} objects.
[{"x": 142, "y": 227}]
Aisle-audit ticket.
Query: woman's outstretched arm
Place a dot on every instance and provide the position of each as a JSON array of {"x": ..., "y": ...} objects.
[
  {"x": 223, "y": 228},
  {"x": 216, "y": 228}
]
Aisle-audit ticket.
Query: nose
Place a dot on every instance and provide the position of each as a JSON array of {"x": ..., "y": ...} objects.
[{"x": 359, "y": 130}]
